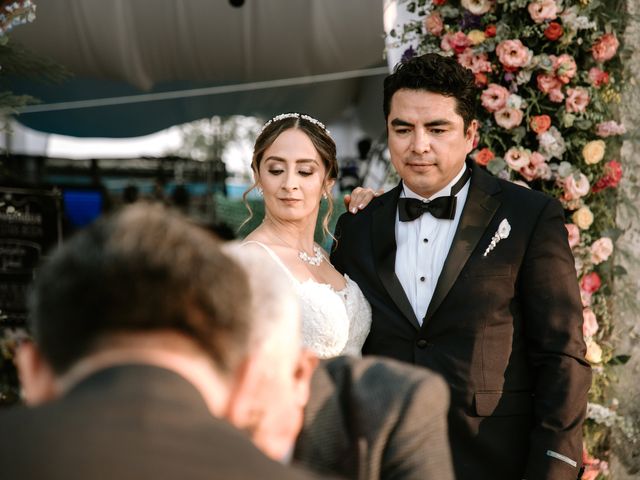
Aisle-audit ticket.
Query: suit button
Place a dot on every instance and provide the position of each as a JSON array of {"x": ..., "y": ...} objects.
[{"x": 422, "y": 343}]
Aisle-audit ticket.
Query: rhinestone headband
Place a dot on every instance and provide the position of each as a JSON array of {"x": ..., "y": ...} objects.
[{"x": 302, "y": 116}]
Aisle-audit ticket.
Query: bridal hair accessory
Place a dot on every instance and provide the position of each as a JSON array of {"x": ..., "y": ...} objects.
[
  {"x": 503, "y": 232},
  {"x": 302, "y": 116}
]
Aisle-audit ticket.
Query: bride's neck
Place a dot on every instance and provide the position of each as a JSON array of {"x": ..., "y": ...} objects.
[{"x": 292, "y": 234}]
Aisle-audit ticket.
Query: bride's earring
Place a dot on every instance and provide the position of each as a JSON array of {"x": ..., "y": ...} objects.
[{"x": 259, "y": 190}]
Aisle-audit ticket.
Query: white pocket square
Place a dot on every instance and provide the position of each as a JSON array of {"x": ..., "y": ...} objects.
[{"x": 503, "y": 232}]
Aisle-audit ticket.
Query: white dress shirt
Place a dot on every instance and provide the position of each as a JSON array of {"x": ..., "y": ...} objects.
[{"x": 423, "y": 245}]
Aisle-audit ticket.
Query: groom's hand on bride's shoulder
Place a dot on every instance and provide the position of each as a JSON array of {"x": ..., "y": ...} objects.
[{"x": 359, "y": 198}]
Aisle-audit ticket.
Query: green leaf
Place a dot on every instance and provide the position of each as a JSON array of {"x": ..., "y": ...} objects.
[{"x": 619, "y": 360}]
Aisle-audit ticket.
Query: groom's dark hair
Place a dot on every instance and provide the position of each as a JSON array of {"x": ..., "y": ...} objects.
[{"x": 438, "y": 74}]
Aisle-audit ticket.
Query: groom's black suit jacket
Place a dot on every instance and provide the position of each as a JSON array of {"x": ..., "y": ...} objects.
[{"x": 504, "y": 330}]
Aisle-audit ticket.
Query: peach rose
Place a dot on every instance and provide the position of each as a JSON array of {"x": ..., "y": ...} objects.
[
  {"x": 601, "y": 250},
  {"x": 583, "y": 218},
  {"x": 484, "y": 156},
  {"x": 540, "y": 123},
  {"x": 513, "y": 54},
  {"x": 529, "y": 172},
  {"x": 576, "y": 186},
  {"x": 477, "y": 7},
  {"x": 605, "y": 47},
  {"x": 589, "y": 323},
  {"x": 517, "y": 158},
  {"x": 476, "y": 37},
  {"x": 577, "y": 100},
  {"x": 594, "y": 352},
  {"x": 541, "y": 10},
  {"x": 593, "y": 152},
  {"x": 494, "y": 97},
  {"x": 434, "y": 24},
  {"x": 564, "y": 67},
  {"x": 508, "y": 118},
  {"x": 573, "y": 233}
]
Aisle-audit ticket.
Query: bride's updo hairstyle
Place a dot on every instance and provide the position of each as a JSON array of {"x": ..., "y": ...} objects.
[{"x": 319, "y": 136}]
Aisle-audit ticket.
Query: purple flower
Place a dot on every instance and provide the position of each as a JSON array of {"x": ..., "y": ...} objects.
[
  {"x": 469, "y": 20},
  {"x": 408, "y": 54}
]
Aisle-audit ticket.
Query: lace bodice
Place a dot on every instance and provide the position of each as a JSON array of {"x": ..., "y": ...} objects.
[{"x": 333, "y": 322}]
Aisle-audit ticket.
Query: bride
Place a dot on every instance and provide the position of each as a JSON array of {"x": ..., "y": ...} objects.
[{"x": 294, "y": 165}]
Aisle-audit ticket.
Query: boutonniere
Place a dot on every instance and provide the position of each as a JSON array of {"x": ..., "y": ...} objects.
[{"x": 503, "y": 232}]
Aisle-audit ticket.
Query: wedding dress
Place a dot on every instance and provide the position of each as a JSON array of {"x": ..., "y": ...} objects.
[{"x": 333, "y": 322}]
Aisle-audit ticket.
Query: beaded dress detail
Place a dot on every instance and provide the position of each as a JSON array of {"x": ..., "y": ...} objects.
[{"x": 333, "y": 322}]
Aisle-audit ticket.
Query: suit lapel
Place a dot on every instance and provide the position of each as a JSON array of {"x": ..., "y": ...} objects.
[
  {"x": 479, "y": 209},
  {"x": 383, "y": 234}
]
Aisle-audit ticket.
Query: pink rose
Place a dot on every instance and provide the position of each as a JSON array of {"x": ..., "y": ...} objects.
[
  {"x": 517, "y": 158},
  {"x": 556, "y": 95},
  {"x": 605, "y": 47},
  {"x": 565, "y": 67},
  {"x": 609, "y": 128},
  {"x": 601, "y": 250},
  {"x": 513, "y": 54},
  {"x": 573, "y": 233},
  {"x": 434, "y": 24},
  {"x": 598, "y": 77},
  {"x": 458, "y": 42},
  {"x": 508, "y": 118},
  {"x": 550, "y": 85},
  {"x": 494, "y": 97},
  {"x": 590, "y": 282},
  {"x": 576, "y": 186},
  {"x": 577, "y": 99},
  {"x": 477, "y": 63},
  {"x": 589, "y": 323},
  {"x": 585, "y": 297},
  {"x": 529, "y": 172},
  {"x": 541, "y": 10},
  {"x": 538, "y": 159}
]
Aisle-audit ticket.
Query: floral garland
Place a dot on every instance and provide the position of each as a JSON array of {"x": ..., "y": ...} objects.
[{"x": 549, "y": 78}]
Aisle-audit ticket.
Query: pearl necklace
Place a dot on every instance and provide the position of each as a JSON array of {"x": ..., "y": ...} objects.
[{"x": 314, "y": 260}]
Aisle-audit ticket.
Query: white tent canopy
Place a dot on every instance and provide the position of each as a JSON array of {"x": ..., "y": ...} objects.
[{"x": 125, "y": 48}]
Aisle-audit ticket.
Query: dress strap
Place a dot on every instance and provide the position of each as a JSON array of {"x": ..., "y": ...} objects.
[{"x": 273, "y": 255}]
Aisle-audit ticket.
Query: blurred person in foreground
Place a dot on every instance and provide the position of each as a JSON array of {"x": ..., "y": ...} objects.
[
  {"x": 376, "y": 418},
  {"x": 143, "y": 344}
]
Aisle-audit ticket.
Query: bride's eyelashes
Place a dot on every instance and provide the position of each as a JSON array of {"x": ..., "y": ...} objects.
[{"x": 304, "y": 173}]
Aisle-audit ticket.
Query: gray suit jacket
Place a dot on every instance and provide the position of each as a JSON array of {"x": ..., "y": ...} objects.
[
  {"x": 126, "y": 423},
  {"x": 376, "y": 418}
]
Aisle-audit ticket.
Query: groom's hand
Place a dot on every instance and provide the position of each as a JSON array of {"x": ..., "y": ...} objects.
[{"x": 360, "y": 198}]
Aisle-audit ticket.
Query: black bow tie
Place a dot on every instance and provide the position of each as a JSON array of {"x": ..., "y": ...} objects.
[{"x": 442, "y": 207}]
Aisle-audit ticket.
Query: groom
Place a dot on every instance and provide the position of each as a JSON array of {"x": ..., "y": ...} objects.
[{"x": 472, "y": 277}]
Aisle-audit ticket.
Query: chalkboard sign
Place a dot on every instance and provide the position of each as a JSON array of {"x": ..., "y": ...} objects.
[{"x": 30, "y": 224}]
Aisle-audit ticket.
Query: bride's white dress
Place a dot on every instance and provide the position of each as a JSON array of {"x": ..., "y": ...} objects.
[{"x": 333, "y": 322}]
